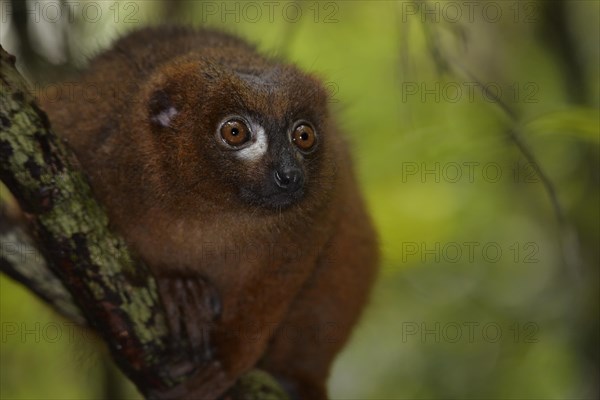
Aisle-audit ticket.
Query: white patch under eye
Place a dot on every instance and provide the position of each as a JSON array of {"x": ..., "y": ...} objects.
[
  {"x": 257, "y": 148},
  {"x": 164, "y": 117}
]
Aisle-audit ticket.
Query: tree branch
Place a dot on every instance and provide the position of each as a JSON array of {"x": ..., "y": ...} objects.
[{"x": 21, "y": 260}]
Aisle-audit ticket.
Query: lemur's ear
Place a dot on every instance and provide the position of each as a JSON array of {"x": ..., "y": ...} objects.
[{"x": 161, "y": 109}]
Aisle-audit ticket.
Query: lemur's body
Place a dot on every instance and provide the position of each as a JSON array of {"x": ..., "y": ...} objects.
[{"x": 225, "y": 172}]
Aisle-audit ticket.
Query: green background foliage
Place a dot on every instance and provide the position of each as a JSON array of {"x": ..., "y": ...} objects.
[{"x": 483, "y": 291}]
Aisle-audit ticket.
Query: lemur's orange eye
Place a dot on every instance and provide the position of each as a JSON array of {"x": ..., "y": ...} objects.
[
  {"x": 304, "y": 137},
  {"x": 235, "y": 132}
]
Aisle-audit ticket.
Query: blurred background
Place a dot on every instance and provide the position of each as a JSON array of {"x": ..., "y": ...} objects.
[{"x": 476, "y": 133}]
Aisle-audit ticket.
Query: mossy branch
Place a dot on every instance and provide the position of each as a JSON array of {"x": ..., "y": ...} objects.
[
  {"x": 21, "y": 260},
  {"x": 79, "y": 257}
]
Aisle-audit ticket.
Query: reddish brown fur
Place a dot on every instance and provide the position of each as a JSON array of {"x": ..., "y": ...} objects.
[{"x": 174, "y": 197}]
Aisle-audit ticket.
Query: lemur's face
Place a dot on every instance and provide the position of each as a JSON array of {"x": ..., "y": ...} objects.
[{"x": 261, "y": 135}]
